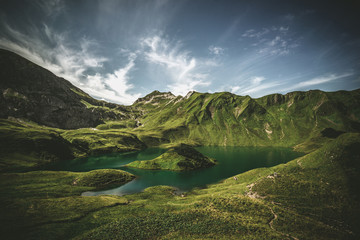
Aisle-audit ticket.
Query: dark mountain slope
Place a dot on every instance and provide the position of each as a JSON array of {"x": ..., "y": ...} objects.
[{"x": 34, "y": 93}]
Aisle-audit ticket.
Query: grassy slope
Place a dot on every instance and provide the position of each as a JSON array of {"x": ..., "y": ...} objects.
[
  {"x": 30, "y": 200},
  {"x": 179, "y": 158},
  {"x": 93, "y": 141},
  {"x": 228, "y": 119},
  {"x": 312, "y": 197},
  {"x": 25, "y": 145}
]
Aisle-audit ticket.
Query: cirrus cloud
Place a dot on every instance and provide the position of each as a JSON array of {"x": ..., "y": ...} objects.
[{"x": 182, "y": 69}]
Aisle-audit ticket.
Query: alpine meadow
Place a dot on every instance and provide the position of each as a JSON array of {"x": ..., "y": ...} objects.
[{"x": 182, "y": 119}]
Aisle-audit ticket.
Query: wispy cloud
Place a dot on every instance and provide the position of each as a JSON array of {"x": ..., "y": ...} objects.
[
  {"x": 179, "y": 65},
  {"x": 216, "y": 50},
  {"x": 273, "y": 41},
  {"x": 252, "y": 33},
  {"x": 253, "y": 86},
  {"x": 73, "y": 63},
  {"x": 113, "y": 86},
  {"x": 261, "y": 88},
  {"x": 257, "y": 80},
  {"x": 51, "y": 7},
  {"x": 318, "y": 81},
  {"x": 289, "y": 17},
  {"x": 323, "y": 79}
]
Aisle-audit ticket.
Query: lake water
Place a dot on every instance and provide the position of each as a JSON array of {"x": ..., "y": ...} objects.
[{"x": 231, "y": 161}]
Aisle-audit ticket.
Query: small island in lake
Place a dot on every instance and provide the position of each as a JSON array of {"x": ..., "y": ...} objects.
[{"x": 179, "y": 158}]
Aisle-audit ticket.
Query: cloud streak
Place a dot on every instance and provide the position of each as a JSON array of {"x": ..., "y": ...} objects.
[
  {"x": 113, "y": 86},
  {"x": 182, "y": 69},
  {"x": 273, "y": 41},
  {"x": 323, "y": 79},
  {"x": 51, "y": 7},
  {"x": 216, "y": 50},
  {"x": 318, "y": 81},
  {"x": 73, "y": 64},
  {"x": 254, "y": 85}
]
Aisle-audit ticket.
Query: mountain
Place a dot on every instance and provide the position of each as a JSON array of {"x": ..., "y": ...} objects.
[
  {"x": 34, "y": 93},
  {"x": 227, "y": 119},
  {"x": 55, "y": 113}
]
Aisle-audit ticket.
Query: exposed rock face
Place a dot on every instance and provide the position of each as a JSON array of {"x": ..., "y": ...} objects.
[
  {"x": 34, "y": 93},
  {"x": 155, "y": 96}
]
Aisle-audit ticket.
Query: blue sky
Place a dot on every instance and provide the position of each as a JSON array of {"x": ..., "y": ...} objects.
[{"x": 121, "y": 50}]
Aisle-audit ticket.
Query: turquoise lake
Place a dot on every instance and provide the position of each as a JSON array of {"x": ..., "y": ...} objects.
[{"x": 231, "y": 161}]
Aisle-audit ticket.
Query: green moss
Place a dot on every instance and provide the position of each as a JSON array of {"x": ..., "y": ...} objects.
[{"x": 178, "y": 158}]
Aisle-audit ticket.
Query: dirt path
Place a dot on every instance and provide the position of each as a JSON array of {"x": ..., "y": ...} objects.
[
  {"x": 255, "y": 195},
  {"x": 275, "y": 216}
]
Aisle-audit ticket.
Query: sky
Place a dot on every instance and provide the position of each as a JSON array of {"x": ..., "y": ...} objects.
[{"x": 121, "y": 50}]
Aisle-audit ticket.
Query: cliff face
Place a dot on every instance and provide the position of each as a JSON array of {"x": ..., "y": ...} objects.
[{"x": 32, "y": 92}]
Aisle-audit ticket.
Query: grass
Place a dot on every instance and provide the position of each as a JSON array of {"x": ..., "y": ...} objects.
[
  {"x": 313, "y": 197},
  {"x": 130, "y": 123},
  {"x": 179, "y": 158},
  {"x": 91, "y": 141},
  {"x": 103, "y": 178},
  {"x": 31, "y": 200},
  {"x": 26, "y": 145}
]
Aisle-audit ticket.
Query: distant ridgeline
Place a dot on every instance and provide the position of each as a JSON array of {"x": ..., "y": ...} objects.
[{"x": 32, "y": 93}]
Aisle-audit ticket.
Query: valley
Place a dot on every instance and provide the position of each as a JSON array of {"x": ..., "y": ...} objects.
[{"x": 45, "y": 120}]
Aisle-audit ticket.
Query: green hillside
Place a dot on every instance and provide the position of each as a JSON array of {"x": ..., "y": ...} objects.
[
  {"x": 228, "y": 119},
  {"x": 31, "y": 92}
]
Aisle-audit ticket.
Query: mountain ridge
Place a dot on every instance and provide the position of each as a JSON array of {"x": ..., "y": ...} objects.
[
  {"x": 295, "y": 119},
  {"x": 32, "y": 92}
]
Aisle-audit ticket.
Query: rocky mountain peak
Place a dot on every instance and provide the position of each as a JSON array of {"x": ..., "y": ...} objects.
[{"x": 154, "y": 97}]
